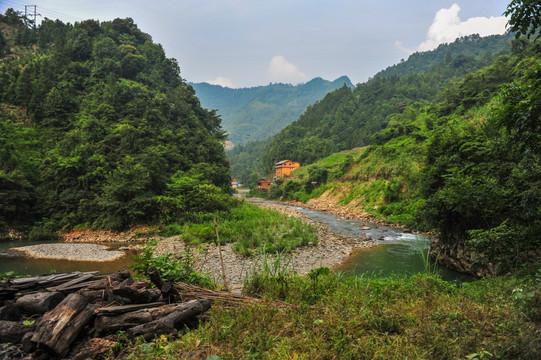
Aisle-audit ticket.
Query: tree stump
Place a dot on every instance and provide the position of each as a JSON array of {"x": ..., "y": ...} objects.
[{"x": 60, "y": 327}]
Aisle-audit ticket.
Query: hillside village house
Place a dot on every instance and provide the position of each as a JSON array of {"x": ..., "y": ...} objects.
[
  {"x": 235, "y": 183},
  {"x": 263, "y": 184},
  {"x": 285, "y": 168}
]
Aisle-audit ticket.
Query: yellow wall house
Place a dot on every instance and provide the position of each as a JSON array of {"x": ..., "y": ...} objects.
[{"x": 285, "y": 168}]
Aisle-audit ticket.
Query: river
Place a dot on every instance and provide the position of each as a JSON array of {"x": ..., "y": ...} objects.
[
  {"x": 18, "y": 263},
  {"x": 399, "y": 252}
]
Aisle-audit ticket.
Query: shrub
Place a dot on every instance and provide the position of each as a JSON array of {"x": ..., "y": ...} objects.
[{"x": 179, "y": 269}]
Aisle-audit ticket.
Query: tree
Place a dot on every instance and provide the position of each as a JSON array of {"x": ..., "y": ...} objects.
[{"x": 525, "y": 17}]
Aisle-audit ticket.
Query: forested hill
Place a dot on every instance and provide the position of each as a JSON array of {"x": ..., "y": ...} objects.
[
  {"x": 97, "y": 128},
  {"x": 348, "y": 118},
  {"x": 467, "y": 46},
  {"x": 467, "y": 166},
  {"x": 258, "y": 112}
]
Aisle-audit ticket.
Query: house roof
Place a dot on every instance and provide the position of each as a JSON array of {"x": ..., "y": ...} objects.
[{"x": 282, "y": 162}]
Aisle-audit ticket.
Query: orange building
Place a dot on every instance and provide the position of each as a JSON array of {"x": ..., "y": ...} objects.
[
  {"x": 263, "y": 184},
  {"x": 285, "y": 168}
]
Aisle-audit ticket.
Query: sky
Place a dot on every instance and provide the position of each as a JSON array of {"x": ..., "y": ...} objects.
[{"x": 244, "y": 43}]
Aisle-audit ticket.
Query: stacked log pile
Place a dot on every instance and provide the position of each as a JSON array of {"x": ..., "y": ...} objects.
[{"x": 75, "y": 315}]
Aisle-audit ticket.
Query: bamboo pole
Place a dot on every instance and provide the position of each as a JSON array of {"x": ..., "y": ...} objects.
[{"x": 221, "y": 257}]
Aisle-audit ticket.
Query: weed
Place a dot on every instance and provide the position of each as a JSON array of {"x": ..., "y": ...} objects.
[{"x": 176, "y": 269}]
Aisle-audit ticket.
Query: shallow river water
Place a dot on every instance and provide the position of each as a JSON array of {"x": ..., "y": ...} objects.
[
  {"x": 17, "y": 262},
  {"x": 398, "y": 252}
]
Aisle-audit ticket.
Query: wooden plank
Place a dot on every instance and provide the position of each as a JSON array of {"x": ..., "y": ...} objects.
[{"x": 81, "y": 285}]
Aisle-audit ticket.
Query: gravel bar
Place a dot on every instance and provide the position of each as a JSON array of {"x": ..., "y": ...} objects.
[{"x": 71, "y": 252}]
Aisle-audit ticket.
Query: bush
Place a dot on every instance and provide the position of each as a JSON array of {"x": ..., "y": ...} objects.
[{"x": 173, "y": 269}]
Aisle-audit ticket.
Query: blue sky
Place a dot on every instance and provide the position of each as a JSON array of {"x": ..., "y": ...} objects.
[{"x": 242, "y": 43}]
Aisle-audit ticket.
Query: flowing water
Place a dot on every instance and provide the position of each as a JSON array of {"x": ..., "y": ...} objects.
[{"x": 398, "y": 252}]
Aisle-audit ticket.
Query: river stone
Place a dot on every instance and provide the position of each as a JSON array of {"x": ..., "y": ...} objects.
[{"x": 39, "y": 303}]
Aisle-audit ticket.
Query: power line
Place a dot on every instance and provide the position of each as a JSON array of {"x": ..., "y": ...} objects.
[
  {"x": 28, "y": 14},
  {"x": 44, "y": 12}
]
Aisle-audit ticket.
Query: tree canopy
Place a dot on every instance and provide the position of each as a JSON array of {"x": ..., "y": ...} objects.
[{"x": 98, "y": 126}]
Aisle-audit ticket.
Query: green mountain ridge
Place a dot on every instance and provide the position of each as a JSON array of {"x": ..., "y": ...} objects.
[
  {"x": 258, "y": 112},
  {"x": 466, "y": 166},
  {"x": 347, "y": 118}
]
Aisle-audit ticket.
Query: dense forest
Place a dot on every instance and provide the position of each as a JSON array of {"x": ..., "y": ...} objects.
[
  {"x": 256, "y": 113},
  {"x": 97, "y": 128}
]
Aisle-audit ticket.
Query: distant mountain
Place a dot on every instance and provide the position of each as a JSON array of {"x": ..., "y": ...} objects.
[{"x": 256, "y": 113}]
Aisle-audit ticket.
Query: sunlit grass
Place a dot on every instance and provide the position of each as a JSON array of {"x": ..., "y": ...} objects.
[{"x": 416, "y": 317}]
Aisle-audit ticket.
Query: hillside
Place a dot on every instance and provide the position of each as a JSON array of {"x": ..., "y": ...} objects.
[
  {"x": 256, "y": 113},
  {"x": 98, "y": 129},
  {"x": 348, "y": 118},
  {"x": 470, "y": 46},
  {"x": 467, "y": 166}
]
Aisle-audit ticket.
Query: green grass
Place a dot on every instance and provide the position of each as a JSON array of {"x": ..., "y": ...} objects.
[
  {"x": 251, "y": 229},
  {"x": 398, "y": 317}
]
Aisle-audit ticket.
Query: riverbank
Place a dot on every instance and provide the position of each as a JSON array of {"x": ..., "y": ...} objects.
[
  {"x": 331, "y": 251},
  {"x": 80, "y": 245}
]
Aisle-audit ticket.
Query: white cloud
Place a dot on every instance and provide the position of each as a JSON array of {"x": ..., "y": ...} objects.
[
  {"x": 447, "y": 26},
  {"x": 222, "y": 81},
  {"x": 281, "y": 70},
  {"x": 400, "y": 47}
]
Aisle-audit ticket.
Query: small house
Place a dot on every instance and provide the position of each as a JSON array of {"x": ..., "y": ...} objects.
[
  {"x": 285, "y": 168},
  {"x": 263, "y": 184},
  {"x": 235, "y": 183}
]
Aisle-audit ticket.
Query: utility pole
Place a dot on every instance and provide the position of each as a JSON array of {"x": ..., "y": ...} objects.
[{"x": 28, "y": 13}]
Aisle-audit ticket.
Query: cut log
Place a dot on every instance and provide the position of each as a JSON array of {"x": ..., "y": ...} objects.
[
  {"x": 170, "y": 323},
  {"x": 116, "y": 310},
  {"x": 92, "y": 296},
  {"x": 13, "y": 331},
  {"x": 60, "y": 327},
  {"x": 39, "y": 303},
  {"x": 108, "y": 324},
  {"x": 10, "y": 313},
  {"x": 135, "y": 295},
  {"x": 154, "y": 276},
  {"x": 96, "y": 348},
  {"x": 166, "y": 288},
  {"x": 112, "y": 324}
]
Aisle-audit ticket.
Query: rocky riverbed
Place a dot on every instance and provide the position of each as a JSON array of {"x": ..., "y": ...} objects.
[
  {"x": 332, "y": 249},
  {"x": 72, "y": 252}
]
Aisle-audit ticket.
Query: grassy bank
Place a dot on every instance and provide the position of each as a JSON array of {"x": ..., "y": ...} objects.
[
  {"x": 250, "y": 228},
  {"x": 334, "y": 317}
]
